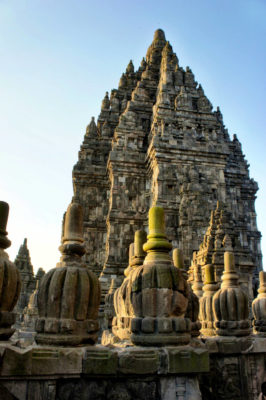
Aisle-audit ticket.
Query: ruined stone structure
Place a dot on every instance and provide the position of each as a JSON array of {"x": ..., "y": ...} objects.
[{"x": 157, "y": 141}]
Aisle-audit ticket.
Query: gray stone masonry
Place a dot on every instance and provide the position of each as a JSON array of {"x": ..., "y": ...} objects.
[{"x": 157, "y": 141}]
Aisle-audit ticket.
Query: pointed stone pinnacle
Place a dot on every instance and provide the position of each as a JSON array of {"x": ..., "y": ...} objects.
[
  {"x": 130, "y": 68},
  {"x": 159, "y": 35}
]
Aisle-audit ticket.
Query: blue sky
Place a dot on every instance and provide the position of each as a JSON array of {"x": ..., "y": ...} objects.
[{"x": 59, "y": 57}]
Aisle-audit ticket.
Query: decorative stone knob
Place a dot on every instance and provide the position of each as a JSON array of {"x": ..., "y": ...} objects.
[
  {"x": 231, "y": 303},
  {"x": 259, "y": 307},
  {"x": 69, "y": 295},
  {"x": 206, "y": 302},
  {"x": 10, "y": 283}
]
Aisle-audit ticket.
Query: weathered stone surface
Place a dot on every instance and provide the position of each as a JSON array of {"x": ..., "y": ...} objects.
[
  {"x": 10, "y": 282},
  {"x": 186, "y": 359},
  {"x": 69, "y": 295},
  {"x": 184, "y": 388},
  {"x": 157, "y": 141},
  {"x": 100, "y": 361}
]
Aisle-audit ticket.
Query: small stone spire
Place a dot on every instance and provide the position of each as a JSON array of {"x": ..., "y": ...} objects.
[
  {"x": 9, "y": 278},
  {"x": 130, "y": 68},
  {"x": 178, "y": 261},
  {"x": 159, "y": 35},
  {"x": 259, "y": 307},
  {"x": 231, "y": 303},
  {"x": 157, "y": 246},
  {"x": 106, "y": 102},
  {"x": 72, "y": 247},
  {"x": 206, "y": 302},
  {"x": 69, "y": 295},
  {"x": 197, "y": 281},
  {"x": 91, "y": 129},
  {"x": 193, "y": 303}
]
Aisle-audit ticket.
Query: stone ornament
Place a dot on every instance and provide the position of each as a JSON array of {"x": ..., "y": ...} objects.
[
  {"x": 259, "y": 307},
  {"x": 122, "y": 297},
  {"x": 69, "y": 295},
  {"x": 10, "y": 283},
  {"x": 231, "y": 303},
  {"x": 157, "y": 293},
  {"x": 193, "y": 302},
  {"x": 206, "y": 302}
]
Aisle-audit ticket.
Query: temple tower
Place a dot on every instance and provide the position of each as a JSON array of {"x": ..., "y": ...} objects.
[{"x": 158, "y": 141}]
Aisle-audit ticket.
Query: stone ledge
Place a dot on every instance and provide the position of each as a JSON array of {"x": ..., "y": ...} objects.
[
  {"x": 100, "y": 361},
  {"x": 234, "y": 345}
]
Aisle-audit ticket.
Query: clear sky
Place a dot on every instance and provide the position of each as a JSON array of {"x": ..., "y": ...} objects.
[{"x": 58, "y": 57}]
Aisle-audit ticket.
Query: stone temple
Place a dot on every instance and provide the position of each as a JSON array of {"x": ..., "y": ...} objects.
[
  {"x": 158, "y": 141},
  {"x": 159, "y": 292}
]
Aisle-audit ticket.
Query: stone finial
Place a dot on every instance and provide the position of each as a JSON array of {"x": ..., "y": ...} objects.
[
  {"x": 259, "y": 307},
  {"x": 197, "y": 281},
  {"x": 159, "y": 35},
  {"x": 206, "y": 302},
  {"x": 106, "y": 102},
  {"x": 231, "y": 303},
  {"x": 157, "y": 246},
  {"x": 178, "y": 259},
  {"x": 9, "y": 279},
  {"x": 91, "y": 129},
  {"x": 130, "y": 68},
  {"x": 193, "y": 303},
  {"x": 151, "y": 302},
  {"x": 69, "y": 295}
]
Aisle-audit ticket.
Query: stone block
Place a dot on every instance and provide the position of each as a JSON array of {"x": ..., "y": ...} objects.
[
  {"x": 136, "y": 324},
  {"x": 186, "y": 359},
  {"x": 67, "y": 325},
  {"x": 165, "y": 325},
  {"x": 52, "y": 360},
  {"x": 148, "y": 325},
  {"x": 99, "y": 361},
  {"x": 51, "y": 325},
  {"x": 135, "y": 361},
  {"x": 15, "y": 362}
]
